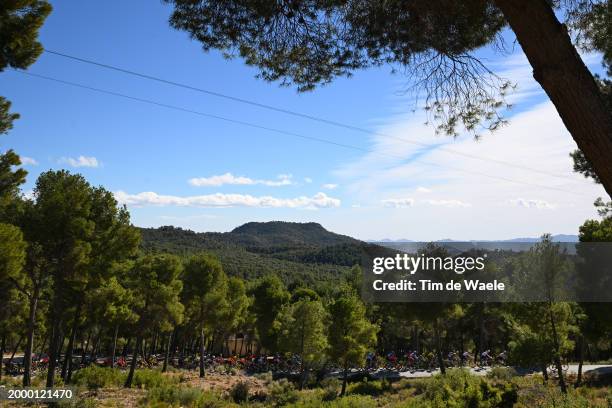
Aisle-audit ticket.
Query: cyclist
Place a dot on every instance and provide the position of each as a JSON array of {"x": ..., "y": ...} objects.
[
  {"x": 465, "y": 358},
  {"x": 485, "y": 357}
]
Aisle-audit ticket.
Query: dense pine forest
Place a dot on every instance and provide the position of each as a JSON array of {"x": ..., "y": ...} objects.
[
  {"x": 298, "y": 253},
  {"x": 85, "y": 288}
]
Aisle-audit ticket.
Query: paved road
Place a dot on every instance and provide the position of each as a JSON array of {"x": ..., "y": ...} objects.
[{"x": 573, "y": 369}]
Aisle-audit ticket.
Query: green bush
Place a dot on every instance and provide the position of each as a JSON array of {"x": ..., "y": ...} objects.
[
  {"x": 148, "y": 378},
  {"x": 502, "y": 373},
  {"x": 372, "y": 388},
  {"x": 282, "y": 393},
  {"x": 240, "y": 392},
  {"x": 459, "y": 388},
  {"x": 331, "y": 388},
  {"x": 94, "y": 377},
  {"x": 353, "y": 401},
  {"x": 184, "y": 397},
  {"x": 266, "y": 377}
]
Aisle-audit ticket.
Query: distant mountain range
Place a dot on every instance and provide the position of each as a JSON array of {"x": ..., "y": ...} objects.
[
  {"x": 555, "y": 238},
  {"x": 300, "y": 253}
]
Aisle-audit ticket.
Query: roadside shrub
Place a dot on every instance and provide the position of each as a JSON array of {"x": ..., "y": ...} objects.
[
  {"x": 240, "y": 392},
  {"x": 184, "y": 397},
  {"x": 331, "y": 388},
  {"x": 148, "y": 378},
  {"x": 282, "y": 392},
  {"x": 353, "y": 401},
  {"x": 372, "y": 388},
  {"x": 94, "y": 377},
  {"x": 78, "y": 403},
  {"x": 266, "y": 377},
  {"x": 458, "y": 388},
  {"x": 502, "y": 373}
]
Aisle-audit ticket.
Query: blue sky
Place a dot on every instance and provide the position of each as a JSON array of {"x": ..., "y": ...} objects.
[{"x": 172, "y": 167}]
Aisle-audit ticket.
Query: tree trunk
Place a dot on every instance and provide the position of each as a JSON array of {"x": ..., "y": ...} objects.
[
  {"x": 27, "y": 357},
  {"x": 344, "y": 381},
  {"x": 94, "y": 347},
  {"x": 241, "y": 344},
  {"x": 43, "y": 345},
  {"x": 130, "y": 377},
  {"x": 565, "y": 78},
  {"x": 439, "y": 348},
  {"x": 15, "y": 349},
  {"x": 114, "y": 350},
  {"x": 558, "y": 364},
  {"x": 2, "y": 347},
  {"x": 153, "y": 348},
  {"x": 54, "y": 345},
  {"x": 580, "y": 360},
  {"x": 202, "y": 351},
  {"x": 86, "y": 348},
  {"x": 167, "y": 356},
  {"x": 66, "y": 367}
]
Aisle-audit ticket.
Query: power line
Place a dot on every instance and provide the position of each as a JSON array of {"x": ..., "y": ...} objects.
[
  {"x": 280, "y": 131},
  {"x": 298, "y": 114}
]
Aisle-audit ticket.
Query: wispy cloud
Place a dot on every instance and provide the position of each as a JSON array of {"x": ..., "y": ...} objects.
[
  {"x": 28, "y": 161},
  {"x": 230, "y": 179},
  {"x": 539, "y": 204},
  {"x": 81, "y": 161},
  {"x": 219, "y": 200},
  {"x": 423, "y": 190},
  {"x": 307, "y": 180},
  {"x": 330, "y": 186},
  {"x": 448, "y": 203},
  {"x": 461, "y": 171},
  {"x": 398, "y": 202}
]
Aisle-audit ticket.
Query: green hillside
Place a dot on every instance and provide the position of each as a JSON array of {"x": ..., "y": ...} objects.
[{"x": 297, "y": 252}]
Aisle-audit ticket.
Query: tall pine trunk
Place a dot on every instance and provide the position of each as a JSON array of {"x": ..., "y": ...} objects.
[
  {"x": 167, "y": 355},
  {"x": 27, "y": 362},
  {"x": 565, "y": 78},
  {"x": 66, "y": 367},
  {"x": 558, "y": 364},
  {"x": 54, "y": 347},
  {"x": 130, "y": 377},
  {"x": 202, "y": 351}
]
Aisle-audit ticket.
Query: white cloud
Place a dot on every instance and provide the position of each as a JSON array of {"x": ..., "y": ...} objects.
[
  {"x": 539, "y": 204},
  {"x": 28, "y": 161},
  {"x": 81, "y": 161},
  {"x": 219, "y": 200},
  {"x": 448, "y": 203},
  {"x": 398, "y": 202},
  {"x": 229, "y": 178},
  {"x": 535, "y": 143},
  {"x": 307, "y": 180},
  {"x": 330, "y": 186},
  {"x": 423, "y": 190},
  {"x": 29, "y": 195}
]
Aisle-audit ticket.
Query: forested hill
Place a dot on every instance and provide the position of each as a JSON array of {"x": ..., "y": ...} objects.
[{"x": 304, "y": 252}]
